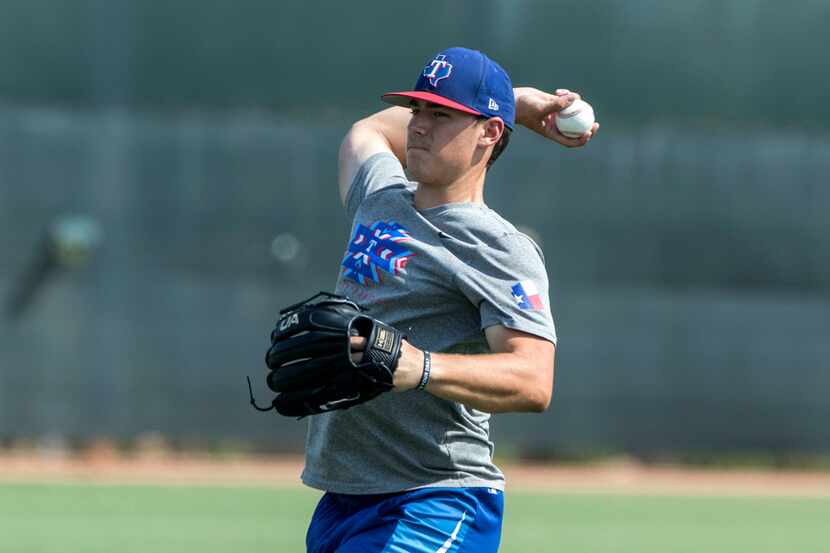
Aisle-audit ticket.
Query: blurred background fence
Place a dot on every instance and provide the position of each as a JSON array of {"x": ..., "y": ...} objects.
[{"x": 688, "y": 246}]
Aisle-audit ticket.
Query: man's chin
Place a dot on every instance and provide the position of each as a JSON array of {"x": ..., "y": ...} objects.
[
  {"x": 416, "y": 174},
  {"x": 415, "y": 162}
]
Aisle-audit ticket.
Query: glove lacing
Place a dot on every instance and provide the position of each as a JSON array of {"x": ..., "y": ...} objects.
[{"x": 253, "y": 401}]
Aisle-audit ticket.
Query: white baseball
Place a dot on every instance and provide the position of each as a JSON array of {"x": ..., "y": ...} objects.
[{"x": 576, "y": 119}]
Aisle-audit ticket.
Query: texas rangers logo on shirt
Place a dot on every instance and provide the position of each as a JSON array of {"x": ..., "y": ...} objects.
[
  {"x": 438, "y": 69},
  {"x": 526, "y": 296},
  {"x": 381, "y": 247}
]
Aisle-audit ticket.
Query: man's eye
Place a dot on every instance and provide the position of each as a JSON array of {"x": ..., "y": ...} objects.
[{"x": 439, "y": 114}]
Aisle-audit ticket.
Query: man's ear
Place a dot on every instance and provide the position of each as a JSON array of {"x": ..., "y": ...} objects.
[{"x": 492, "y": 130}]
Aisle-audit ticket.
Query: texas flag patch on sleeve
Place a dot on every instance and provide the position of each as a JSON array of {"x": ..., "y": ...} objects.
[{"x": 526, "y": 296}]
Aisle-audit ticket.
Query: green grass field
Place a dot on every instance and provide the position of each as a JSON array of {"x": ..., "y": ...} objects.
[{"x": 76, "y": 518}]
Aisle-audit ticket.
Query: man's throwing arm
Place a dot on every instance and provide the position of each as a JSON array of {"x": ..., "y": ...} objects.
[{"x": 384, "y": 131}]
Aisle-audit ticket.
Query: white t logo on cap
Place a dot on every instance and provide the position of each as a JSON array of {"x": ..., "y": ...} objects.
[{"x": 438, "y": 69}]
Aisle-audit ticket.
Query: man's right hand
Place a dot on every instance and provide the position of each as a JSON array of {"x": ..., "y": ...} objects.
[{"x": 537, "y": 110}]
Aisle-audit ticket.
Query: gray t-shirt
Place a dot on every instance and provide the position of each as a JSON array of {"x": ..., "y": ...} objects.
[{"x": 440, "y": 275}]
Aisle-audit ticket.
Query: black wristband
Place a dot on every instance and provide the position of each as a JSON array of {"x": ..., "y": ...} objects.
[{"x": 425, "y": 375}]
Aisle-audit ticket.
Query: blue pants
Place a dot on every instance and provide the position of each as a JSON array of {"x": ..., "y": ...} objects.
[{"x": 427, "y": 520}]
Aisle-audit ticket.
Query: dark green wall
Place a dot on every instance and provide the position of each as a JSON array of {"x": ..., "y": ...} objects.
[
  {"x": 689, "y": 279},
  {"x": 747, "y": 62},
  {"x": 687, "y": 246}
]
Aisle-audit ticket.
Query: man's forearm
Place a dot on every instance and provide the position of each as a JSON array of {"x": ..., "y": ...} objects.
[
  {"x": 492, "y": 382},
  {"x": 496, "y": 383}
]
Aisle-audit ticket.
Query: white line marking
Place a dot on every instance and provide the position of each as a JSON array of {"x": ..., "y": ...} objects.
[{"x": 448, "y": 543}]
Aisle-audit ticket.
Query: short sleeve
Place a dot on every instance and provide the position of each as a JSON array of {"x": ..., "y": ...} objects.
[
  {"x": 509, "y": 284},
  {"x": 382, "y": 170}
]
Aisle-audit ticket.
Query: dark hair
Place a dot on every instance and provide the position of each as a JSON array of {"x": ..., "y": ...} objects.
[{"x": 500, "y": 146}]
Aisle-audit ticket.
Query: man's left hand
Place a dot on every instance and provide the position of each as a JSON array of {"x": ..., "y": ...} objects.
[{"x": 410, "y": 364}]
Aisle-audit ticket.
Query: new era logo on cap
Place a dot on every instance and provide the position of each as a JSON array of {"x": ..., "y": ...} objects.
[{"x": 465, "y": 80}]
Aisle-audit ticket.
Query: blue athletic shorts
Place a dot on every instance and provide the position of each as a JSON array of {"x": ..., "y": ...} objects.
[{"x": 427, "y": 520}]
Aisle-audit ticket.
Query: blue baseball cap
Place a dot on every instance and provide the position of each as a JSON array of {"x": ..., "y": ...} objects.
[{"x": 466, "y": 80}]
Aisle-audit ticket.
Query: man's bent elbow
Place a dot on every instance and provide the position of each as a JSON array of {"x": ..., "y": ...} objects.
[
  {"x": 535, "y": 399},
  {"x": 536, "y": 377},
  {"x": 539, "y": 400},
  {"x": 540, "y": 392}
]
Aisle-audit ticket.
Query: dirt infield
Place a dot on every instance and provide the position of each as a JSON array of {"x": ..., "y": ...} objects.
[
  {"x": 109, "y": 467},
  {"x": 106, "y": 466}
]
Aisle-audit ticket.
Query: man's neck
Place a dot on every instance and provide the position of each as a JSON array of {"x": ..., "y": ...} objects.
[{"x": 468, "y": 189}]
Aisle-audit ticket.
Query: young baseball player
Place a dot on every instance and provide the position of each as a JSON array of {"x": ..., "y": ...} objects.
[{"x": 412, "y": 471}]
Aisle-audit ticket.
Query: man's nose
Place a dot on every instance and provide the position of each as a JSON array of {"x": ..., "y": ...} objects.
[{"x": 418, "y": 124}]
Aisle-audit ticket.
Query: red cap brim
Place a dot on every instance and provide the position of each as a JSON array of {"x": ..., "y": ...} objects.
[{"x": 403, "y": 98}]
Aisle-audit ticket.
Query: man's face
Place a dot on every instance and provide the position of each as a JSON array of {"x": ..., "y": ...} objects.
[{"x": 441, "y": 143}]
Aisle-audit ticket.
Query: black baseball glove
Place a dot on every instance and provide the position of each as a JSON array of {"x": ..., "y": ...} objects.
[{"x": 310, "y": 362}]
